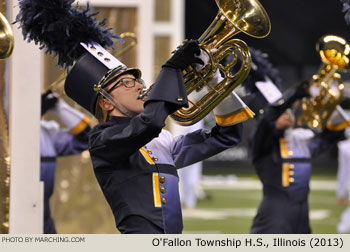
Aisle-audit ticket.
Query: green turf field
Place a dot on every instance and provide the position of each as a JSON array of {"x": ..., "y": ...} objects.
[{"x": 230, "y": 208}]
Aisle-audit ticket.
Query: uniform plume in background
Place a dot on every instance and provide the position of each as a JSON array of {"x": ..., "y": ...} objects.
[
  {"x": 59, "y": 27},
  {"x": 261, "y": 67},
  {"x": 346, "y": 10}
]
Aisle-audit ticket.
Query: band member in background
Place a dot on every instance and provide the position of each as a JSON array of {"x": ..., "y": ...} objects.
[
  {"x": 343, "y": 179},
  {"x": 282, "y": 158},
  {"x": 281, "y": 155},
  {"x": 56, "y": 142},
  {"x": 190, "y": 176}
]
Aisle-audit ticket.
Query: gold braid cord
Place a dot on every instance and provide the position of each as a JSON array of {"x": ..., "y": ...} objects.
[{"x": 4, "y": 153}]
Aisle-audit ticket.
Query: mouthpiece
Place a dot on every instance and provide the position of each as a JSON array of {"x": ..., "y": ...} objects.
[{"x": 145, "y": 92}]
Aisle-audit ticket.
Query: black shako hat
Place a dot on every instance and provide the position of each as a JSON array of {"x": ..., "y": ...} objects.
[
  {"x": 94, "y": 70},
  {"x": 74, "y": 35}
]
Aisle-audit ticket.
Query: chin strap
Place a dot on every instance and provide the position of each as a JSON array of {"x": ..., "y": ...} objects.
[{"x": 116, "y": 104}]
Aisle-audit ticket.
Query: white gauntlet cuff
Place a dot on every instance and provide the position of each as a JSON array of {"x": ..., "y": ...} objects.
[
  {"x": 73, "y": 119},
  {"x": 232, "y": 110},
  {"x": 339, "y": 119}
]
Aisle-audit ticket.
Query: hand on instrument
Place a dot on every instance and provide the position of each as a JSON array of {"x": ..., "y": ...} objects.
[
  {"x": 185, "y": 56},
  {"x": 48, "y": 101},
  {"x": 302, "y": 90},
  {"x": 286, "y": 120},
  {"x": 217, "y": 77}
]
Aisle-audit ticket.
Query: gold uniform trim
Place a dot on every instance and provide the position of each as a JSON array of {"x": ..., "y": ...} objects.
[
  {"x": 285, "y": 174},
  {"x": 235, "y": 117},
  {"x": 146, "y": 156},
  {"x": 156, "y": 193},
  {"x": 81, "y": 126},
  {"x": 339, "y": 126},
  {"x": 283, "y": 148}
]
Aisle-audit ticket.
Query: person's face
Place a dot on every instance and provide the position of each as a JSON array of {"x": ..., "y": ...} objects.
[
  {"x": 286, "y": 120},
  {"x": 126, "y": 93}
]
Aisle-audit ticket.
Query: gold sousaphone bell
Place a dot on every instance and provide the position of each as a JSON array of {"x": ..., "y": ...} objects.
[
  {"x": 326, "y": 87},
  {"x": 234, "y": 16}
]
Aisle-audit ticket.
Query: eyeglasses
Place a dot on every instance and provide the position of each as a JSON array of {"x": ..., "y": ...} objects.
[{"x": 128, "y": 83}]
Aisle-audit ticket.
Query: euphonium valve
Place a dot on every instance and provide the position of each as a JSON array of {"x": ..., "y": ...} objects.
[
  {"x": 326, "y": 87},
  {"x": 234, "y": 16}
]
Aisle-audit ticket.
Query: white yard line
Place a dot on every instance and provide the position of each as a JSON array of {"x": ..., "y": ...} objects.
[
  {"x": 232, "y": 182},
  {"x": 223, "y": 213}
]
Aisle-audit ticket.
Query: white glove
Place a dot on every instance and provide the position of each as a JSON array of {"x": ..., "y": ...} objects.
[
  {"x": 74, "y": 120},
  {"x": 204, "y": 57},
  {"x": 347, "y": 132}
]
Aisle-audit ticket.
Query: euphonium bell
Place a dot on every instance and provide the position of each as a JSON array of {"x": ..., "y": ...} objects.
[
  {"x": 326, "y": 87},
  {"x": 234, "y": 16},
  {"x": 6, "y": 38}
]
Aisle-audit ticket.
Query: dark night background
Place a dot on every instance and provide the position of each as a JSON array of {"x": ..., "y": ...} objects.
[{"x": 296, "y": 26}]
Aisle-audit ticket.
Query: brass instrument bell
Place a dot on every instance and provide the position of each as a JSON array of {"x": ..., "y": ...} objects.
[
  {"x": 326, "y": 87},
  {"x": 234, "y": 16},
  {"x": 6, "y": 38}
]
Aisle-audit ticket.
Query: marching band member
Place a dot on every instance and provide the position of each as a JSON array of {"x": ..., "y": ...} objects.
[
  {"x": 57, "y": 142},
  {"x": 281, "y": 155},
  {"x": 190, "y": 176},
  {"x": 134, "y": 158},
  {"x": 343, "y": 179},
  {"x": 343, "y": 176}
]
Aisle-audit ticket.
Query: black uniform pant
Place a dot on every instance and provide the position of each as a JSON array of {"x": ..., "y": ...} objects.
[
  {"x": 278, "y": 214},
  {"x": 135, "y": 224}
]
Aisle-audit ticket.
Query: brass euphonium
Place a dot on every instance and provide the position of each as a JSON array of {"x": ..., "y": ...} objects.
[
  {"x": 6, "y": 38},
  {"x": 326, "y": 87},
  {"x": 6, "y": 49},
  {"x": 234, "y": 16},
  {"x": 128, "y": 47}
]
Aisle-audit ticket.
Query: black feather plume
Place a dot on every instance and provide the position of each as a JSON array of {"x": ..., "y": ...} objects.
[
  {"x": 263, "y": 68},
  {"x": 59, "y": 28},
  {"x": 346, "y": 9}
]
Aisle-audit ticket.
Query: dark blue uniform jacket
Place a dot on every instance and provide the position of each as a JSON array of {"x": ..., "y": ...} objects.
[
  {"x": 282, "y": 160},
  {"x": 135, "y": 159}
]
